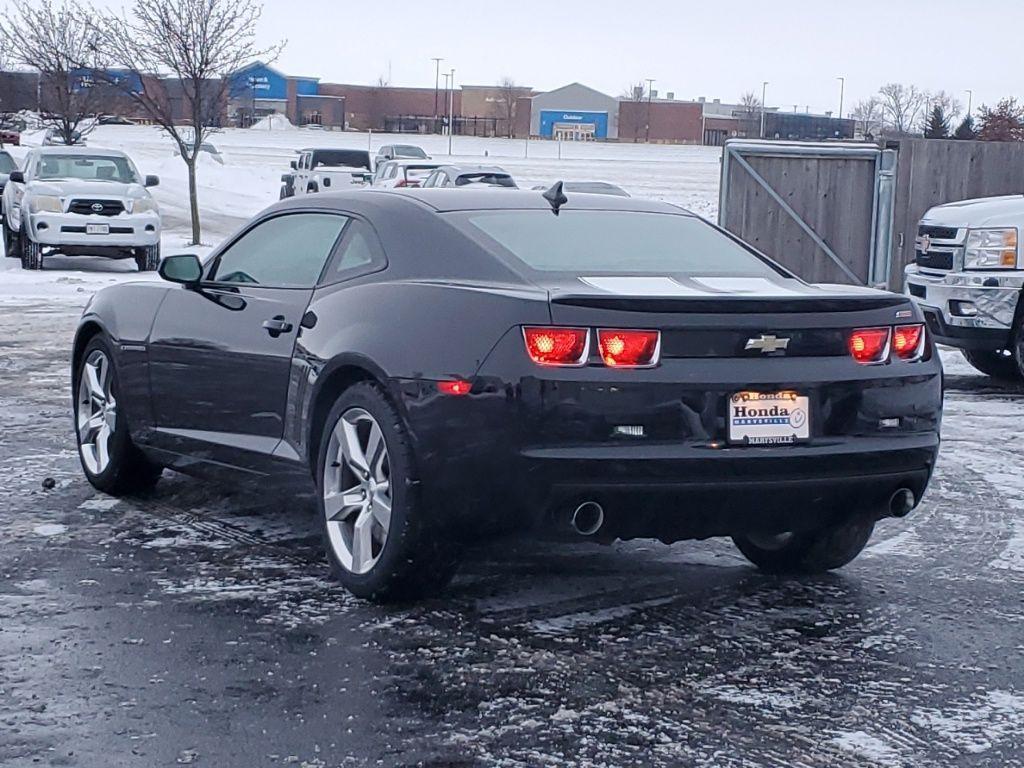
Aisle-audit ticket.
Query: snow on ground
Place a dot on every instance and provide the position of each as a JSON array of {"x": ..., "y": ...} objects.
[{"x": 254, "y": 159}]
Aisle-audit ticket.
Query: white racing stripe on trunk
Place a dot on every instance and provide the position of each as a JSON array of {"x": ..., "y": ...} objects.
[
  {"x": 753, "y": 285},
  {"x": 628, "y": 285}
]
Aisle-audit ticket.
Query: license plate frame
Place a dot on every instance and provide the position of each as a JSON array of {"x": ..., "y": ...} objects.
[
  {"x": 757, "y": 418},
  {"x": 97, "y": 229}
]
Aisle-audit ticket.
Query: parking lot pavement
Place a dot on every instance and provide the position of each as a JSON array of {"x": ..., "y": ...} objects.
[{"x": 197, "y": 626}]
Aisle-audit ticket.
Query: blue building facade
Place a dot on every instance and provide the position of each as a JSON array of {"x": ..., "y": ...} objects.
[
  {"x": 550, "y": 117},
  {"x": 262, "y": 81}
]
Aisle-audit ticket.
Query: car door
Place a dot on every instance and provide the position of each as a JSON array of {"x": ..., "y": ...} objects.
[
  {"x": 302, "y": 174},
  {"x": 220, "y": 353}
]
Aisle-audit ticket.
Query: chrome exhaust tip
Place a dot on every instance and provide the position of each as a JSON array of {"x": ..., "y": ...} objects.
[
  {"x": 587, "y": 518},
  {"x": 902, "y": 502}
]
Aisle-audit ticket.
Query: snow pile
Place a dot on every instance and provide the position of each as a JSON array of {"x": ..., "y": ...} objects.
[{"x": 274, "y": 122}]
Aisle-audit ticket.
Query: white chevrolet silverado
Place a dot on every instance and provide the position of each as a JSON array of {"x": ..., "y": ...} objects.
[
  {"x": 327, "y": 170},
  {"x": 967, "y": 277},
  {"x": 80, "y": 201}
]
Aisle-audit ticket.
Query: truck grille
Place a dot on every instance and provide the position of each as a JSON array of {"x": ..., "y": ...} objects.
[
  {"x": 937, "y": 233},
  {"x": 935, "y": 260},
  {"x": 96, "y": 207}
]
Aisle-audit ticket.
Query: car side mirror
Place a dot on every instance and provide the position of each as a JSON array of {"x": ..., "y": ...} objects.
[
  {"x": 18, "y": 177},
  {"x": 185, "y": 269},
  {"x": 152, "y": 181},
  {"x": 294, "y": 165},
  {"x": 287, "y": 177}
]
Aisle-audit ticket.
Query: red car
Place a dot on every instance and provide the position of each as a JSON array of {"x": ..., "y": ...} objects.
[{"x": 8, "y": 136}]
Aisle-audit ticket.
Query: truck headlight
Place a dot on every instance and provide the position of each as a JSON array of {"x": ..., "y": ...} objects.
[
  {"x": 45, "y": 204},
  {"x": 991, "y": 249},
  {"x": 144, "y": 205}
]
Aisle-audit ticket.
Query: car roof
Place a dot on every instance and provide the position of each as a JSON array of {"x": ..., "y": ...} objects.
[
  {"x": 417, "y": 162},
  {"x": 73, "y": 150},
  {"x": 458, "y": 170},
  {"x": 388, "y": 201},
  {"x": 332, "y": 149}
]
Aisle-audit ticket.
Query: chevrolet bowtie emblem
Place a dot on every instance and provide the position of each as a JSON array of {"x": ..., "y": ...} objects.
[{"x": 767, "y": 344}]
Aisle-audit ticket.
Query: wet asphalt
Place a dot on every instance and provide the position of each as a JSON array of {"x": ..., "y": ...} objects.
[{"x": 198, "y": 626}]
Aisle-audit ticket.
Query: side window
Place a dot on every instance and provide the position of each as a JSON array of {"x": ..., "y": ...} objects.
[
  {"x": 393, "y": 171},
  {"x": 360, "y": 251},
  {"x": 283, "y": 252}
]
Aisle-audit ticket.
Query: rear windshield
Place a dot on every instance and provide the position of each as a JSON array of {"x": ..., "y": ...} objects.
[
  {"x": 615, "y": 242},
  {"x": 418, "y": 172},
  {"x": 493, "y": 179},
  {"x": 406, "y": 150},
  {"x": 348, "y": 158},
  {"x": 6, "y": 163},
  {"x": 97, "y": 168}
]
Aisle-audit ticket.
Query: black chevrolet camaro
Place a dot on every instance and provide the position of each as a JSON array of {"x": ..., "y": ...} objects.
[{"x": 443, "y": 365}]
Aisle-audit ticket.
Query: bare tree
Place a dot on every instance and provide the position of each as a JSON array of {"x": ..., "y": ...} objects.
[
  {"x": 749, "y": 113},
  {"x": 377, "y": 110},
  {"x": 54, "y": 40},
  {"x": 633, "y": 117},
  {"x": 508, "y": 95},
  {"x": 901, "y": 106},
  {"x": 180, "y": 56},
  {"x": 867, "y": 116}
]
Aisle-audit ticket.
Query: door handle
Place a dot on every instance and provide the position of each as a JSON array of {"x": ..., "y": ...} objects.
[{"x": 277, "y": 325}]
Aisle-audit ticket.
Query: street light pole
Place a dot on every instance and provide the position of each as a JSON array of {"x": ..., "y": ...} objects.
[
  {"x": 764, "y": 94},
  {"x": 970, "y": 100},
  {"x": 650, "y": 92},
  {"x": 842, "y": 90},
  {"x": 445, "y": 76},
  {"x": 437, "y": 81},
  {"x": 451, "y": 113}
]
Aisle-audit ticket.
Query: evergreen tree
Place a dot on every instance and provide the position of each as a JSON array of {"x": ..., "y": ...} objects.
[
  {"x": 965, "y": 131},
  {"x": 937, "y": 125}
]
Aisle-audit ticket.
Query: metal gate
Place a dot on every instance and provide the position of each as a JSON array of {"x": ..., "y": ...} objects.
[{"x": 824, "y": 211}]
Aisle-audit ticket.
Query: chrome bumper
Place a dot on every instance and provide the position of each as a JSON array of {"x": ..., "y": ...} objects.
[{"x": 994, "y": 296}]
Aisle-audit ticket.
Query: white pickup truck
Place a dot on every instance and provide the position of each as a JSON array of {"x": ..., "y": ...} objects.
[
  {"x": 80, "y": 201},
  {"x": 327, "y": 170},
  {"x": 967, "y": 277}
]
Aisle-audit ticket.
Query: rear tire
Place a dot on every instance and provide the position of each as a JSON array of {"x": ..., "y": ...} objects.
[
  {"x": 111, "y": 461},
  {"x": 31, "y": 252},
  {"x": 12, "y": 248},
  {"x": 402, "y": 555},
  {"x": 148, "y": 258},
  {"x": 810, "y": 552}
]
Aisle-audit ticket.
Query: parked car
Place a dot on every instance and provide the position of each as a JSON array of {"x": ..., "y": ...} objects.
[
  {"x": 402, "y": 173},
  {"x": 399, "y": 151},
  {"x": 442, "y": 367},
  {"x": 470, "y": 175},
  {"x": 114, "y": 120},
  {"x": 7, "y": 165},
  {"x": 80, "y": 201},
  {"x": 10, "y": 136},
  {"x": 591, "y": 188},
  {"x": 327, "y": 170},
  {"x": 967, "y": 276},
  {"x": 54, "y": 138},
  {"x": 206, "y": 148}
]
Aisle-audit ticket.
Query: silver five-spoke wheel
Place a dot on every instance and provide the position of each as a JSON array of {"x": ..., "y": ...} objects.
[
  {"x": 357, "y": 491},
  {"x": 97, "y": 412}
]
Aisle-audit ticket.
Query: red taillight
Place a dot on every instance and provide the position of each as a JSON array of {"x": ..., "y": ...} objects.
[
  {"x": 557, "y": 346},
  {"x": 629, "y": 349},
  {"x": 870, "y": 345},
  {"x": 457, "y": 387},
  {"x": 908, "y": 341},
  {"x": 407, "y": 183}
]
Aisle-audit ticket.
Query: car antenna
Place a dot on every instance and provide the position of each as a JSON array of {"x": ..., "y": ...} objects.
[{"x": 556, "y": 197}]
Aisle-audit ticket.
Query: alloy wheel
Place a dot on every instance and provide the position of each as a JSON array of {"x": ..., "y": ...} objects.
[
  {"x": 97, "y": 412},
  {"x": 357, "y": 491}
]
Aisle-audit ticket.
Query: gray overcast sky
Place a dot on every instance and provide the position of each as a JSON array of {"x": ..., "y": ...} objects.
[{"x": 713, "y": 49}]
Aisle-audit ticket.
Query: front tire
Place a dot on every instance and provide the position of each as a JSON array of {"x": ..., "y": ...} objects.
[
  {"x": 816, "y": 551},
  {"x": 31, "y": 252},
  {"x": 147, "y": 259},
  {"x": 381, "y": 543},
  {"x": 111, "y": 461},
  {"x": 997, "y": 363}
]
